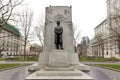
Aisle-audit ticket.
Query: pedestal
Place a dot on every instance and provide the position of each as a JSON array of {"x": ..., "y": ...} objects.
[
  {"x": 58, "y": 58},
  {"x": 59, "y": 67},
  {"x": 58, "y": 75}
]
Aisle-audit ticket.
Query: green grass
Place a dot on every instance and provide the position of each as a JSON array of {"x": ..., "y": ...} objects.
[
  {"x": 4, "y": 66},
  {"x": 91, "y": 59},
  {"x": 30, "y": 58},
  {"x": 21, "y": 58},
  {"x": 113, "y": 66},
  {"x": 96, "y": 59},
  {"x": 2, "y": 59}
]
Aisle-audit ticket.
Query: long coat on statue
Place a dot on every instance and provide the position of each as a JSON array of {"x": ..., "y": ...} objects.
[{"x": 58, "y": 34}]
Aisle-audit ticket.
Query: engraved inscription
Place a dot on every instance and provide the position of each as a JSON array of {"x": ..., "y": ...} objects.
[{"x": 58, "y": 59}]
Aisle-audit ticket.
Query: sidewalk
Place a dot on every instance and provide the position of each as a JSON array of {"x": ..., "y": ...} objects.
[{"x": 19, "y": 62}]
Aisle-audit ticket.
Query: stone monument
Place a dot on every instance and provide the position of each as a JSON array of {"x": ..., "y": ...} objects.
[{"x": 58, "y": 63}]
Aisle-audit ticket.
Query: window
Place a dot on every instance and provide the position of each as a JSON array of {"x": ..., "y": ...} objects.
[{"x": 107, "y": 53}]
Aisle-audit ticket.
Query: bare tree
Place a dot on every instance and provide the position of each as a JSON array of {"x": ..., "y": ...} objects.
[
  {"x": 114, "y": 23},
  {"x": 26, "y": 20},
  {"x": 40, "y": 34},
  {"x": 1, "y": 48},
  {"x": 100, "y": 43},
  {"x": 79, "y": 49},
  {"x": 6, "y": 10},
  {"x": 39, "y": 31},
  {"x": 76, "y": 35}
]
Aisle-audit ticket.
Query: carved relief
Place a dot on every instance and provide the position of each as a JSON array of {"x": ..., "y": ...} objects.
[
  {"x": 66, "y": 12},
  {"x": 50, "y": 19},
  {"x": 59, "y": 17},
  {"x": 49, "y": 11}
]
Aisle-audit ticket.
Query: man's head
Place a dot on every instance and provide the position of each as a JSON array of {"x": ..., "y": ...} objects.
[{"x": 58, "y": 22}]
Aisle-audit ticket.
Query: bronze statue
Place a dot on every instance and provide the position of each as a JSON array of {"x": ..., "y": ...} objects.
[{"x": 58, "y": 36}]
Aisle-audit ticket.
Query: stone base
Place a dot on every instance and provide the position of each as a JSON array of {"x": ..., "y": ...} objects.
[
  {"x": 61, "y": 65},
  {"x": 59, "y": 75},
  {"x": 33, "y": 67},
  {"x": 36, "y": 67},
  {"x": 82, "y": 67}
]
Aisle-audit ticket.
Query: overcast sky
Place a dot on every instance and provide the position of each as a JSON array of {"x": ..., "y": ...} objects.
[{"x": 86, "y": 14}]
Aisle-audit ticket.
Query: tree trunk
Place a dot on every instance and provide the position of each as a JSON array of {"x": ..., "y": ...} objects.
[{"x": 24, "y": 50}]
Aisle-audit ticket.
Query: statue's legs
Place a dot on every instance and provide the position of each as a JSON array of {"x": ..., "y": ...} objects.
[
  {"x": 58, "y": 42},
  {"x": 61, "y": 46},
  {"x": 57, "y": 46}
]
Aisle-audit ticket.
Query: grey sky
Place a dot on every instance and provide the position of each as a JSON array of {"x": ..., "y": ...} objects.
[{"x": 87, "y": 14}]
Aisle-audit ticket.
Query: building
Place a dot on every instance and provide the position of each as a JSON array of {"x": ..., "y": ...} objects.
[
  {"x": 106, "y": 42},
  {"x": 89, "y": 50},
  {"x": 113, "y": 18},
  {"x": 100, "y": 43},
  {"x": 85, "y": 40},
  {"x": 28, "y": 45},
  {"x": 35, "y": 49},
  {"x": 82, "y": 47},
  {"x": 9, "y": 40}
]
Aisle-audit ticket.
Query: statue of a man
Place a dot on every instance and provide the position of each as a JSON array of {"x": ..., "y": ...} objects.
[{"x": 58, "y": 35}]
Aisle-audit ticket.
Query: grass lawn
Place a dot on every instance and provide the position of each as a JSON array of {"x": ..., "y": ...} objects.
[
  {"x": 5, "y": 66},
  {"x": 96, "y": 59},
  {"x": 91, "y": 59},
  {"x": 20, "y": 58},
  {"x": 2, "y": 59},
  {"x": 113, "y": 66}
]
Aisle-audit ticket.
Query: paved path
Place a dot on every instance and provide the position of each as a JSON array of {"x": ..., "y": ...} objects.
[
  {"x": 14, "y": 74},
  {"x": 104, "y": 74},
  {"x": 97, "y": 73}
]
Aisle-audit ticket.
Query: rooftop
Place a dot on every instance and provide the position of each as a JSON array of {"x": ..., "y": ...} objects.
[
  {"x": 101, "y": 23},
  {"x": 12, "y": 29}
]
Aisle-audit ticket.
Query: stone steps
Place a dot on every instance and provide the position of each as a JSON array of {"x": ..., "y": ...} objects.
[
  {"x": 58, "y": 73},
  {"x": 59, "y": 69}
]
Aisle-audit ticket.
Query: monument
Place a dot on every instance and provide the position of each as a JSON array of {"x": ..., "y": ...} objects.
[{"x": 58, "y": 60}]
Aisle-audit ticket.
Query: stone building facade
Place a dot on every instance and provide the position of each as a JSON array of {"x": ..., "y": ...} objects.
[
  {"x": 102, "y": 44},
  {"x": 9, "y": 40},
  {"x": 106, "y": 41}
]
